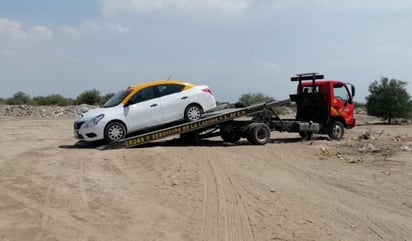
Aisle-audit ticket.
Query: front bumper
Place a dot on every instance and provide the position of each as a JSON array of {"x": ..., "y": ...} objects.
[{"x": 94, "y": 133}]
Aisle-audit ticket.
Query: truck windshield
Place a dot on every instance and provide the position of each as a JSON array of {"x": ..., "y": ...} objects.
[{"x": 117, "y": 98}]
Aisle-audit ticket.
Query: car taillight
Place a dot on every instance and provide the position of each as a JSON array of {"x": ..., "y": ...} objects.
[{"x": 207, "y": 90}]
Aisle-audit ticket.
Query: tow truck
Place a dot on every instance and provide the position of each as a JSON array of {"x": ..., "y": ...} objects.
[{"x": 322, "y": 107}]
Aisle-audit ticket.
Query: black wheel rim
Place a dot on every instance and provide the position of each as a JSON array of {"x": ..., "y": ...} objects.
[{"x": 261, "y": 134}]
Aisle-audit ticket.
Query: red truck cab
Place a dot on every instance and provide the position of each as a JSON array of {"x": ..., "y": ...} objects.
[{"x": 327, "y": 102}]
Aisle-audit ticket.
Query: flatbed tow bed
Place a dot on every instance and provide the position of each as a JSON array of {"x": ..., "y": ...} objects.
[{"x": 226, "y": 124}]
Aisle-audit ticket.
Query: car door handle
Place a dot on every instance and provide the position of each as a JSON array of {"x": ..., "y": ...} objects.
[
  {"x": 154, "y": 105},
  {"x": 184, "y": 97}
]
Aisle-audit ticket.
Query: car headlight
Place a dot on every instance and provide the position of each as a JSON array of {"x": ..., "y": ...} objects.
[{"x": 92, "y": 122}]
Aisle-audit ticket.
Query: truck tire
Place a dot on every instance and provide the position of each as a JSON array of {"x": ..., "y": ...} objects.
[
  {"x": 306, "y": 135},
  {"x": 189, "y": 138},
  {"x": 336, "y": 130},
  {"x": 193, "y": 112},
  {"x": 258, "y": 134},
  {"x": 231, "y": 136},
  {"x": 114, "y": 131}
]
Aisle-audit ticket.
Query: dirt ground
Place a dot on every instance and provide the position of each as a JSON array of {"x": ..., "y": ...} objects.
[{"x": 353, "y": 189}]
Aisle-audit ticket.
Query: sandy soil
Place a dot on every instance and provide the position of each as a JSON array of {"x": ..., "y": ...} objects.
[{"x": 287, "y": 190}]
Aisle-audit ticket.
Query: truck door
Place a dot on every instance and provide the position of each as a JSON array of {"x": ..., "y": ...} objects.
[{"x": 342, "y": 103}]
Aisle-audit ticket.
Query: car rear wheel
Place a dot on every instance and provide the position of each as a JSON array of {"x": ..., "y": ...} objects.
[
  {"x": 114, "y": 131},
  {"x": 193, "y": 112}
]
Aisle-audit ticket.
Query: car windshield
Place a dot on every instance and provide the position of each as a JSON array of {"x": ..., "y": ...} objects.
[{"x": 117, "y": 98}]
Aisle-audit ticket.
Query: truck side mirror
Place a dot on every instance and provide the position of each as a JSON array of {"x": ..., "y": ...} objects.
[{"x": 353, "y": 90}]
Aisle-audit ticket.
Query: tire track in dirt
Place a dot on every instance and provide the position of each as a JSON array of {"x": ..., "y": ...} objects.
[
  {"x": 56, "y": 180},
  {"x": 48, "y": 214},
  {"x": 224, "y": 214},
  {"x": 70, "y": 221},
  {"x": 45, "y": 217},
  {"x": 129, "y": 177}
]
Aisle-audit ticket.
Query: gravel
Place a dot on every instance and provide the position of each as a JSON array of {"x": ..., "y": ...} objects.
[{"x": 43, "y": 111}]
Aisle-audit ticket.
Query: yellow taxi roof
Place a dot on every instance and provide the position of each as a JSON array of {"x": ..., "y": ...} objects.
[{"x": 160, "y": 82}]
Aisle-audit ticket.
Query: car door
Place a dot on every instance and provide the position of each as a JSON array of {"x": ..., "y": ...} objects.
[
  {"x": 143, "y": 110},
  {"x": 174, "y": 101}
]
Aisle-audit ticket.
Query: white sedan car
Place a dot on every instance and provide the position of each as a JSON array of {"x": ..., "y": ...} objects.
[{"x": 144, "y": 106}]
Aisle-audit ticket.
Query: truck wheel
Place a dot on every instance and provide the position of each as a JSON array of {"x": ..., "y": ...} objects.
[
  {"x": 259, "y": 134},
  {"x": 336, "y": 130},
  {"x": 306, "y": 135},
  {"x": 231, "y": 136},
  {"x": 189, "y": 138},
  {"x": 114, "y": 131},
  {"x": 193, "y": 112}
]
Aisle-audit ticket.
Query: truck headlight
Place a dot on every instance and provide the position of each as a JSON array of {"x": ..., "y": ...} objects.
[{"x": 92, "y": 122}]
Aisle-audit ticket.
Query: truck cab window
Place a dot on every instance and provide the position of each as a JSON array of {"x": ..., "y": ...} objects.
[{"x": 341, "y": 93}]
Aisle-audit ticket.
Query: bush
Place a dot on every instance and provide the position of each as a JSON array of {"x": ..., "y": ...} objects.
[
  {"x": 254, "y": 98},
  {"x": 388, "y": 99},
  {"x": 55, "y": 99},
  {"x": 20, "y": 98},
  {"x": 90, "y": 97}
]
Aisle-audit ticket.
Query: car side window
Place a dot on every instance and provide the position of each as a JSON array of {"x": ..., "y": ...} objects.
[
  {"x": 144, "y": 95},
  {"x": 170, "y": 89}
]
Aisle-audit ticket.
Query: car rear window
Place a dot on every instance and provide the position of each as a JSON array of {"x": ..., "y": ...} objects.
[{"x": 170, "y": 89}]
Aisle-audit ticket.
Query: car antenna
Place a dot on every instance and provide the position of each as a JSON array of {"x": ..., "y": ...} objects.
[{"x": 170, "y": 76}]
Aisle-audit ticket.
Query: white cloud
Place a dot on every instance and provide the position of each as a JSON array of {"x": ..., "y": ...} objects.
[
  {"x": 389, "y": 49},
  {"x": 113, "y": 7},
  {"x": 88, "y": 28},
  {"x": 366, "y": 6},
  {"x": 117, "y": 28},
  {"x": 7, "y": 53},
  {"x": 41, "y": 32},
  {"x": 116, "y": 7},
  {"x": 71, "y": 32},
  {"x": 13, "y": 29}
]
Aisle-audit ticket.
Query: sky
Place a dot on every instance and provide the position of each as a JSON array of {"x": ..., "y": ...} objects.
[{"x": 233, "y": 46}]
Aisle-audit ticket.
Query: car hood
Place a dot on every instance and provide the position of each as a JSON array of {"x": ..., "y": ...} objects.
[{"x": 98, "y": 111}]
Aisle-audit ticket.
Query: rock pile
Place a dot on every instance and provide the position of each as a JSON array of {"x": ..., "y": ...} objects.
[{"x": 43, "y": 111}]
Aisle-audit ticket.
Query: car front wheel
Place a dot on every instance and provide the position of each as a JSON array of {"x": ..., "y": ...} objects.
[{"x": 114, "y": 131}]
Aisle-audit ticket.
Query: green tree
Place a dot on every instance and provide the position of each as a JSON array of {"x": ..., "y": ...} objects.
[
  {"x": 254, "y": 98},
  {"x": 388, "y": 99},
  {"x": 55, "y": 99},
  {"x": 106, "y": 97},
  {"x": 90, "y": 97},
  {"x": 20, "y": 98}
]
